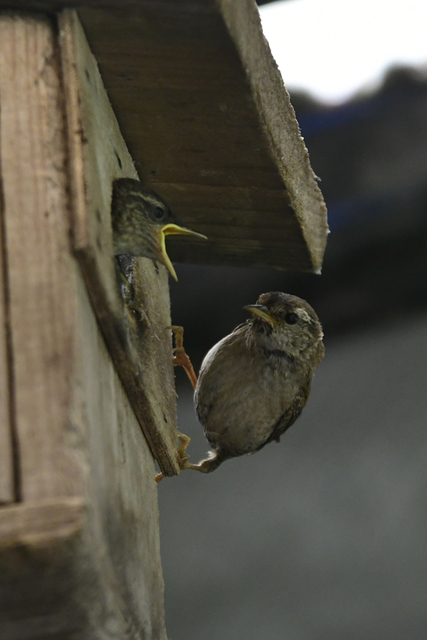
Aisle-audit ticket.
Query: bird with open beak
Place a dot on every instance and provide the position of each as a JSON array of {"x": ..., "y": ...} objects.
[{"x": 141, "y": 221}]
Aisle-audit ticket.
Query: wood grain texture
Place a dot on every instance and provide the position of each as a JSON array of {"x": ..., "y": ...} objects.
[
  {"x": 88, "y": 566},
  {"x": 36, "y": 231},
  {"x": 79, "y": 554},
  {"x": 40, "y": 521},
  {"x": 140, "y": 343},
  {"x": 7, "y": 488},
  {"x": 58, "y": 581},
  {"x": 206, "y": 117},
  {"x": 278, "y": 123},
  {"x": 124, "y": 518},
  {"x": 38, "y": 547}
]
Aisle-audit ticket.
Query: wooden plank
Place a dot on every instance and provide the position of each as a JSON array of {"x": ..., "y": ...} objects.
[
  {"x": 141, "y": 350},
  {"x": 89, "y": 564},
  {"x": 38, "y": 544},
  {"x": 36, "y": 232},
  {"x": 7, "y": 489},
  {"x": 40, "y": 522},
  {"x": 79, "y": 555},
  {"x": 279, "y": 125},
  {"x": 217, "y": 116},
  {"x": 203, "y": 109},
  {"x": 58, "y": 581},
  {"x": 123, "y": 535}
]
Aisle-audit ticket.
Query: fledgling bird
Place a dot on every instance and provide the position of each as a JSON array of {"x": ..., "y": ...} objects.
[
  {"x": 141, "y": 221},
  {"x": 255, "y": 382}
]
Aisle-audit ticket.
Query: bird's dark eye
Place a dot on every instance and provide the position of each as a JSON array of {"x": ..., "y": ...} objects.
[
  {"x": 159, "y": 213},
  {"x": 291, "y": 318}
]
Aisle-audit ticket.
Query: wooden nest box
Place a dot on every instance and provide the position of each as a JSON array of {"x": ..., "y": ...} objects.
[{"x": 87, "y": 395}]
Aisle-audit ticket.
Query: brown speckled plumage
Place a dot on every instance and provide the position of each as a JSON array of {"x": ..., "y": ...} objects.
[{"x": 255, "y": 382}]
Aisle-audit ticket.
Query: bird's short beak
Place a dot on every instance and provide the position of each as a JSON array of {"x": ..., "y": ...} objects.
[
  {"x": 174, "y": 230},
  {"x": 262, "y": 312}
]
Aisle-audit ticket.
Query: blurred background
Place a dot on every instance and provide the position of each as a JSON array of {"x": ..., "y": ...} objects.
[{"x": 324, "y": 536}]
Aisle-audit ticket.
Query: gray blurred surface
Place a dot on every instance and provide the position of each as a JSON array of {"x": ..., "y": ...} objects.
[{"x": 322, "y": 537}]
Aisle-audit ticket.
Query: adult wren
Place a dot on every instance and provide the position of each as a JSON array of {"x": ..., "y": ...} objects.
[
  {"x": 142, "y": 220},
  {"x": 254, "y": 383}
]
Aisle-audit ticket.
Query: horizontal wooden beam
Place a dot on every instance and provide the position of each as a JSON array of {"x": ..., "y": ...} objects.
[{"x": 202, "y": 107}]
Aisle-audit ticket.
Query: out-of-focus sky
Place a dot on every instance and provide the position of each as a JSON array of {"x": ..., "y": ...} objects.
[{"x": 334, "y": 48}]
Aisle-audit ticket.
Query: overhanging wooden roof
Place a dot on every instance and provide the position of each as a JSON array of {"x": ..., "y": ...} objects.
[{"x": 202, "y": 107}]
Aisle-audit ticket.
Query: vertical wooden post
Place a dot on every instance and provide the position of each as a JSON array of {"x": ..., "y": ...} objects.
[
  {"x": 79, "y": 548},
  {"x": 7, "y": 489},
  {"x": 33, "y": 165}
]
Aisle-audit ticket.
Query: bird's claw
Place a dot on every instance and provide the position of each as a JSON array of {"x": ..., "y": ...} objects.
[
  {"x": 180, "y": 356},
  {"x": 183, "y": 457},
  {"x": 185, "y": 441},
  {"x": 178, "y": 333}
]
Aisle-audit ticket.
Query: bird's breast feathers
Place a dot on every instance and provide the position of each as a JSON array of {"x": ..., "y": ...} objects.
[{"x": 252, "y": 395}]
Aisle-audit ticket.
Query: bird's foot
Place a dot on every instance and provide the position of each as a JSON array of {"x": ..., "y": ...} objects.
[
  {"x": 183, "y": 458},
  {"x": 180, "y": 356},
  {"x": 182, "y": 449}
]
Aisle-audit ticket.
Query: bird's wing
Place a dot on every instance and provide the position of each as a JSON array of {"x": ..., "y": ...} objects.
[{"x": 288, "y": 418}]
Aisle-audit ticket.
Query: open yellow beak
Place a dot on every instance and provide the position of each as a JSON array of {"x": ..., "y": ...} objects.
[
  {"x": 174, "y": 230},
  {"x": 261, "y": 311}
]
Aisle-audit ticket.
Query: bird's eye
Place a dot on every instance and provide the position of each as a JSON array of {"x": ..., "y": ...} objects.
[
  {"x": 159, "y": 213},
  {"x": 291, "y": 318}
]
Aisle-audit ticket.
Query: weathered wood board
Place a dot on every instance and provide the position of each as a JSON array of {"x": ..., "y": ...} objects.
[
  {"x": 79, "y": 549},
  {"x": 141, "y": 345},
  {"x": 7, "y": 488},
  {"x": 202, "y": 107},
  {"x": 38, "y": 255}
]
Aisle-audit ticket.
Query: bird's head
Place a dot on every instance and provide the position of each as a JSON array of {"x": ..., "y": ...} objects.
[
  {"x": 285, "y": 322},
  {"x": 142, "y": 220}
]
